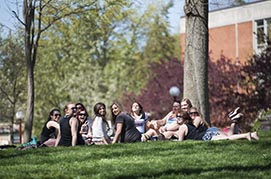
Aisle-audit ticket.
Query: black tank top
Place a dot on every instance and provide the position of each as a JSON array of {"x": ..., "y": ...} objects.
[
  {"x": 65, "y": 131},
  {"x": 47, "y": 133},
  {"x": 202, "y": 128},
  {"x": 80, "y": 140},
  {"x": 193, "y": 133}
]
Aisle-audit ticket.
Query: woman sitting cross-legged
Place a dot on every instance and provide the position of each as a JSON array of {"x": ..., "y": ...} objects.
[{"x": 187, "y": 130}]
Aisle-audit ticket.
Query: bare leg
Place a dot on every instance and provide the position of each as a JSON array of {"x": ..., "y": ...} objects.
[
  {"x": 255, "y": 136},
  {"x": 147, "y": 135},
  {"x": 50, "y": 142},
  {"x": 240, "y": 136},
  {"x": 220, "y": 136},
  {"x": 170, "y": 134}
]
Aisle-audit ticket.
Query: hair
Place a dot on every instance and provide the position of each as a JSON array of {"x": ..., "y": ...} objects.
[
  {"x": 66, "y": 107},
  {"x": 113, "y": 115},
  {"x": 96, "y": 108},
  {"x": 186, "y": 117},
  {"x": 52, "y": 112},
  {"x": 141, "y": 111},
  {"x": 196, "y": 109},
  {"x": 81, "y": 105},
  {"x": 188, "y": 102},
  {"x": 203, "y": 120},
  {"x": 79, "y": 111},
  {"x": 177, "y": 101}
]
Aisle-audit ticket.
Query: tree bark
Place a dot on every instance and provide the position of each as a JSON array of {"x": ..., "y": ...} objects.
[
  {"x": 29, "y": 10},
  {"x": 196, "y": 55}
]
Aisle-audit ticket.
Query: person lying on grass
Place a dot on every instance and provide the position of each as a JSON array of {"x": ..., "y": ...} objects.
[
  {"x": 235, "y": 116},
  {"x": 188, "y": 131}
]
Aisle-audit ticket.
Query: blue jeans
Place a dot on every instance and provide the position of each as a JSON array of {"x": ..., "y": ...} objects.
[{"x": 210, "y": 132}]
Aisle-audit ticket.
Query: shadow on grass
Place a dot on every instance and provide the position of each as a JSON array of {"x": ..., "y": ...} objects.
[{"x": 190, "y": 171}]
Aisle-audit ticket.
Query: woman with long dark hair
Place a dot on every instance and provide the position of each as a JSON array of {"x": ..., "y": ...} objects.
[
  {"x": 100, "y": 125},
  {"x": 139, "y": 116},
  {"x": 50, "y": 133}
]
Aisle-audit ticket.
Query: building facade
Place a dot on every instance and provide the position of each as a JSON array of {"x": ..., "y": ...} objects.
[{"x": 236, "y": 32}]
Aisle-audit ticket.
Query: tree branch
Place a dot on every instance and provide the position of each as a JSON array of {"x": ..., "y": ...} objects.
[{"x": 17, "y": 17}]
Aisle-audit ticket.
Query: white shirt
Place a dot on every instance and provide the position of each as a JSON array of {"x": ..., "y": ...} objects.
[{"x": 98, "y": 127}]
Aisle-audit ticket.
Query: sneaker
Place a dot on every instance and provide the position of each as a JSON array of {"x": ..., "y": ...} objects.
[
  {"x": 33, "y": 141},
  {"x": 234, "y": 112},
  {"x": 237, "y": 116}
]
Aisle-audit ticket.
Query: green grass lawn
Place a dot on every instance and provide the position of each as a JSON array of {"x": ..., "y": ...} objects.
[{"x": 161, "y": 159}]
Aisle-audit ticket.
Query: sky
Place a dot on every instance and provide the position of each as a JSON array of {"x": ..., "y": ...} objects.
[{"x": 8, "y": 20}]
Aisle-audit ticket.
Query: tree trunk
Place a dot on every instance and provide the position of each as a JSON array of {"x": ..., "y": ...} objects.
[
  {"x": 196, "y": 55},
  {"x": 30, "y": 105},
  {"x": 30, "y": 63}
]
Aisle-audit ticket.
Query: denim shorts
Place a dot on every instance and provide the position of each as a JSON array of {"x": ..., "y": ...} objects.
[{"x": 210, "y": 132}]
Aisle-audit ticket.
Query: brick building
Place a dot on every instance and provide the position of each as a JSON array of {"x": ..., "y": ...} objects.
[{"x": 233, "y": 31}]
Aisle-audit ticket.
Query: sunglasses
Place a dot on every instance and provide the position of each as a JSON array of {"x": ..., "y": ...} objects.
[
  {"x": 194, "y": 113},
  {"x": 179, "y": 116},
  {"x": 82, "y": 114},
  {"x": 57, "y": 115}
]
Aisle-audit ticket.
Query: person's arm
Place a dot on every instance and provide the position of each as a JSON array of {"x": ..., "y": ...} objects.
[
  {"x": 117, "y": 133},
  {"x": 197, "y": 121},
  {"x": 58, "y": 137},
  {"x": 172, "y": 127},
  {"x": 182, "y": 132},
  {"x": 55, "y": 125},
  {"x": 74, "y": 129},
  {"x": 163, "y": 121}
]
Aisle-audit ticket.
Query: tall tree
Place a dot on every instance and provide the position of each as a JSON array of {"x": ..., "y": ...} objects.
[
  {"x": 39, "y": 15},
  {"x": 196, "y": 55}
]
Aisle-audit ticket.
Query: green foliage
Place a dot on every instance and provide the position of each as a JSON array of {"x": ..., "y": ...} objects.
[
  {"x": 263, "y": 117},
  {"x": 257, "y": 78},
  {"x": 94, "y": 51},
  {"x": 158, "y": 37},
  {"x": 12, "y": 75},
  {"x": 161, "y": 159},
  {"x": 99, "y": 55}
]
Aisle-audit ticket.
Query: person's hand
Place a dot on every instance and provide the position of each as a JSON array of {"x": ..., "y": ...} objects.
[{"x": 154, "y": 125}]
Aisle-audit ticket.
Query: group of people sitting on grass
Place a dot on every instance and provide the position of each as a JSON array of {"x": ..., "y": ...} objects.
[{"x": 182, "y": 123}]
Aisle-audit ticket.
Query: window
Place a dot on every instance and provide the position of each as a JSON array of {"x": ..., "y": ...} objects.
[{"x": 263, "y": 33}]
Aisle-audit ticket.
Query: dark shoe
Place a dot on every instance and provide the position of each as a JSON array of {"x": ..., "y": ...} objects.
[{"x": 234, "y": 112}]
